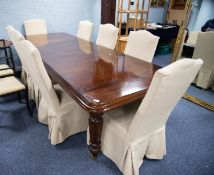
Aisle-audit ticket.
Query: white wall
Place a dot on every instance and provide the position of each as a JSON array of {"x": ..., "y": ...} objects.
[{"x": 206, "y": 12}]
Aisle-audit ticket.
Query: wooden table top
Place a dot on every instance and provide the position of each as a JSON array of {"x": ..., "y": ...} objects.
[{"x": 99, "y": 79}]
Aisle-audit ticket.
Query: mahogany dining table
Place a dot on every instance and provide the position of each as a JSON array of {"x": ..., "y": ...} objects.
[{"x": 97, "y": 78}]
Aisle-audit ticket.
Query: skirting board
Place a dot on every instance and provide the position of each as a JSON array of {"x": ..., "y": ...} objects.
[{"x": 198, "y": 101}]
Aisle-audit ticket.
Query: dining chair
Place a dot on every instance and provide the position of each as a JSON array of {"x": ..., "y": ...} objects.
[
  {"x": 11, "y": 31},
  {"x": 35, "y": 27},
  {"x": 107, "y": 36},
  {"x": 16, "y": 37},
  {"x": 138, "y": 129},
  {"x": 10, "y": 85},
  {"x": 7, "y": 68},
  {"x": 141, "y": 44},
  {"x": 192, "y": 39},
  {"x": 85, "y": 30},
  {"x": 57, "y": 109},
  {"x": 204, "y": 49}
]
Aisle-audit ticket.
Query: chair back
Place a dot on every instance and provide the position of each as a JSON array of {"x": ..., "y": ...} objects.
[
  {"x": 85, "y": 30},
  {"x": 35, "y": 27},
  {"x": 167, "y": 87},
  {"x": 40, "y": 77},
  {"x": 204, "y": 48},
  {"x": 107, "y": 36},
  {"x": 16, "y": 37},
  {"x": 141, "y": 44},
  {"x": 192, "y": 38}
]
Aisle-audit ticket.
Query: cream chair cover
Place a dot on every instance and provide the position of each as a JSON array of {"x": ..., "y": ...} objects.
[
  {"x": 191, "y": 41},
  {"x": 204, "y": 49},
  {"x": 17, "y": 37},
  {"x": 35, "y": 27},
  {"x": 107, "y": 36},
  {"x": 85, "y": 30},
  {"x": 134, "y": 131},
  {"x": 141, "y": 44},
  {"x": 62, "y": 114}
]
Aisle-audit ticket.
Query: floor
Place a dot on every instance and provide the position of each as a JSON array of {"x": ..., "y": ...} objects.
[{"x": 25, "y": 148}]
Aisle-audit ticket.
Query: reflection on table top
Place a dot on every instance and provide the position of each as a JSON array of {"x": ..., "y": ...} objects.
[{"x": 98, "y": 78}]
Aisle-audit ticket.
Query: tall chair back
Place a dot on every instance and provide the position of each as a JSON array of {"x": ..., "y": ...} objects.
[
  {"x": 166, "y": 89},
  {"x": 141, "y": 44},
  {"x": 16, "y": 37},
  {"x": 40, "y": 76},
  {"x": 192, "y": 39},
  {"x": 107, "y": 36},
  {"x": 85, "y": 30},
  {"x": 35, "y": 27},
  {"x": 204, "y": 49}
]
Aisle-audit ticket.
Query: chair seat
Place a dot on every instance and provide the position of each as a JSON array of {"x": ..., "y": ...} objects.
[
  {"x": 4, "y": 66},
  {"x": 9, "y": 85},
  {"x": 121, "y": 118},
  {"x": 6, "y": 72}
]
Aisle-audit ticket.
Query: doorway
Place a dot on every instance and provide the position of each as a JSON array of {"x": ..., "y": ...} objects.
[{"x": 108, "y": 8}]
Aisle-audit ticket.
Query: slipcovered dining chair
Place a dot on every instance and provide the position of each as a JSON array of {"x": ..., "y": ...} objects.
[
  {"x": 11, "y": 31},
  {"x": 138, "y": 129},
  {"x": 85, "y": 30},
  {"x": 57, "y": 109},
  {"x": 141, "y": 44},
  {"x": 192, "y": 39},
  {"x": 35, "y": 27},
  {"x": 16, "y": 38},
  {"x": 107, "y": 36},
  {"x": 204, "y": 49}
]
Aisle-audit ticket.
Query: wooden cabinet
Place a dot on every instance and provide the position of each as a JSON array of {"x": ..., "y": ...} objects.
[{"x": 176, "y": 12}]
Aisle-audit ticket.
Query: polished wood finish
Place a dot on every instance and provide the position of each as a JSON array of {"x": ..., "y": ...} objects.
[
  {"x": 95, "y": 124},
  {"x": 99, "y": 79}
]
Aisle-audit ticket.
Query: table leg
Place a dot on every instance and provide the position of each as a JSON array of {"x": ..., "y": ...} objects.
[{"x": 95, "y": 130}]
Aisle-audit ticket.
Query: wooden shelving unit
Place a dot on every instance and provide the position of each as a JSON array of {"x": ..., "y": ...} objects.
[
  {"x": 176, "y": 11},
  {"x": 138, "y": 20}
]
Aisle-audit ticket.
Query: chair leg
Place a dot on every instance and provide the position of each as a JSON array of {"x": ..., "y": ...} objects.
[
  {"x": 19, "y": 97},
  {"x": 28, "y": 103},
  {"x": 12, "y": 61},
  {"x": 6, "y": 56}
]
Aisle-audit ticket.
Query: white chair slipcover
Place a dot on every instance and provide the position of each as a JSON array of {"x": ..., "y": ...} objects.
[
  {"x": 62, "y": 114},
  {"x": 35, "y": 27},
  {"x": 204, "y": 49},
  {"x": 85, "y": 30},
  {"x": 16, "y": 37},
  {"x": 138, "y": 129},
  {"x": 192, "y": 39},
  {"x": 107, "y": 36},
  {"x": 141, "y": 44}
]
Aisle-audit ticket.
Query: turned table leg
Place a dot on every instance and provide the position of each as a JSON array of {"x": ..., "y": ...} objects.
[{"x": 95, "y": 130}]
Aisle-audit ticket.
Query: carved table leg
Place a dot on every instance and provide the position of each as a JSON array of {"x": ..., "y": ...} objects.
[{"x": 95, "y": 130}]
